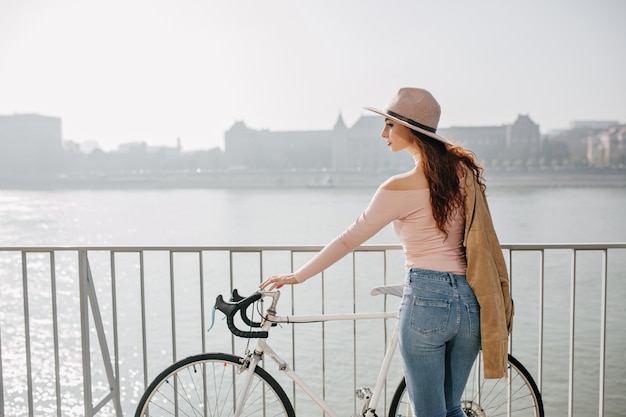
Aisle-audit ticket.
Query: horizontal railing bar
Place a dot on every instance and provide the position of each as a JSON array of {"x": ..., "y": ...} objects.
[
  {"x": 299, "y": 248},
  {"x": 574, "y": 246}
]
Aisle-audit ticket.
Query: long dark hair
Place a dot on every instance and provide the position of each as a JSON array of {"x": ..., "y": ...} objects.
[{"x": 443, "y": 166}]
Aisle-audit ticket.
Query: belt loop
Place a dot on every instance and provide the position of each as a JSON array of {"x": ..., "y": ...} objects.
[{"x": 452, "y": 280}]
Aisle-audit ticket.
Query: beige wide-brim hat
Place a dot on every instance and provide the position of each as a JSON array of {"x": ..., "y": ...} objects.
[{"x": 416, "y": 109}]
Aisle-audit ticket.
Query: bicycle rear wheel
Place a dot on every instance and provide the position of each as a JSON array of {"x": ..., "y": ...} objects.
[
  {"x": 208, "y": 385},
  {"x": 516, "y": 396}
]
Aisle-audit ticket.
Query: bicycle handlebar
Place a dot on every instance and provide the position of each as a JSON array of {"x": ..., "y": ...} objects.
[
  {"x": 241, "y": 304},
  {"x": 236, "y": 297}
]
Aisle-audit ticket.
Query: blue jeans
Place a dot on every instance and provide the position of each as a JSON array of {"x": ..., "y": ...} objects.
[{"x": 439, "y": 330}]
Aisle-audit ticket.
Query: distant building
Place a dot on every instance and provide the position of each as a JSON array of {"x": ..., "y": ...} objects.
[
  {"x": 340, "y": 149},
  {"x": 30, "y": 144},
  {"x": 523, "y": 134},
  {"x": 486, "y": 142},
  {"x": 607, "y": 148},
  {"x": 593, "y": 124},
  {"x": 247, "y": 148},
  {"x": 360, "y": 147},
  {"x": 585, "y": 144},
  {"x": 520, "y": 140}
]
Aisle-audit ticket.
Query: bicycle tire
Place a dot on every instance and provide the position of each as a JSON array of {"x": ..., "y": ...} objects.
[
  {"x": 206, "y": 385},
  {"x": 487, "y": 397}
]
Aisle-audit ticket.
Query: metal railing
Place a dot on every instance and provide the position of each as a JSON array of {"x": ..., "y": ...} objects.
[{"x": 149, "y": 306}]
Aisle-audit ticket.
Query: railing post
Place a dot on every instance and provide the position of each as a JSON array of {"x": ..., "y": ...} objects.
[
  {"x": 29, "y": 369},
  {"x": 572, "y": 339},
  {"x": 83, "y": 278},
  {"x": 1, "y": 377},
  {"x": 603, "y": 307},
  {"x": 542, "y": 268},
  {"x": 55, "y": 332}
]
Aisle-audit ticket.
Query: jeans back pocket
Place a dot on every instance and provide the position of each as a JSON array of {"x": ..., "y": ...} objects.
[{"x": 430, "y": 315}]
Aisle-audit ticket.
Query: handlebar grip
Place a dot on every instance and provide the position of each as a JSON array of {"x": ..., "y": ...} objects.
[
  {"x": 231, "y": 308},
  {"x": 236, "y": 297}
]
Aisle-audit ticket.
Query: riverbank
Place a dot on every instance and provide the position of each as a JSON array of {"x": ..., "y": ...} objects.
[
  {"x": 302, "y": 179},
  {"x": 557, "y": 178}
]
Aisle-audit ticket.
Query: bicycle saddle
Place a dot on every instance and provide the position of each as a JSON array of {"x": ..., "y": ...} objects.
[{"x": 396, "y": 290}]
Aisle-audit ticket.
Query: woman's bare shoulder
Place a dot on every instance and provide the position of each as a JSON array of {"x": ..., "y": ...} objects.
[{"x": 412, "y": 180}]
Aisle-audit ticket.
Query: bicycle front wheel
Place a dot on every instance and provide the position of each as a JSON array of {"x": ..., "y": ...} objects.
[
  {"x": 209, "y": 385},
  {"x": 516, "y": 396}
]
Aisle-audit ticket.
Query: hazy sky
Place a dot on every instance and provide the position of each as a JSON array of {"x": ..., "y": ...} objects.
[{"x": 121, "y": 71}]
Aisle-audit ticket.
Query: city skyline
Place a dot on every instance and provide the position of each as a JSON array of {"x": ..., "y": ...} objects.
[
  {"x": 121, "y": 72},
  {"x": 88, "y": 146}
]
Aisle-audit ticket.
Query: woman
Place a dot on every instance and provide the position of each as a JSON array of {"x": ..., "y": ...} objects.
[{"x": 457, "y": 291}]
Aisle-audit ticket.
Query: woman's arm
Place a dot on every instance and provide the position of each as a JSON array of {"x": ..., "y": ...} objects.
[{"x": 384, "y": 207}]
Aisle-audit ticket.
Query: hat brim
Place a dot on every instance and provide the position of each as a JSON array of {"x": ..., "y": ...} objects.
[{"x": 410, "y": 126}]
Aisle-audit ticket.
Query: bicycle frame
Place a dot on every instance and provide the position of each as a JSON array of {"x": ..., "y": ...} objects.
[
  {"x": 263, "y": 348},
  {"x": 228, "y": 379}
]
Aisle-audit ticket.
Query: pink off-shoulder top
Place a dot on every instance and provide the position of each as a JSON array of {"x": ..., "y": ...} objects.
[{"x": 410, "y": 213}]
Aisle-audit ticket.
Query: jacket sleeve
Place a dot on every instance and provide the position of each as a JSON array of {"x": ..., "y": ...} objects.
[{"x": 503, "y": 274}]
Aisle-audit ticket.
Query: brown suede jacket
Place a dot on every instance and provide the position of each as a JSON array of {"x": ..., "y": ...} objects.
[{"x": 487, "y": 275}]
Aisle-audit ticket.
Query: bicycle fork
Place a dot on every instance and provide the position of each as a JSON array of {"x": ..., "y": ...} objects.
[{"x": 250, "y": 362}]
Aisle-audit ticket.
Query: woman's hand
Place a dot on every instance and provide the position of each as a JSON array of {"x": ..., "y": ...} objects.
[{"x": 276, "y": 281}]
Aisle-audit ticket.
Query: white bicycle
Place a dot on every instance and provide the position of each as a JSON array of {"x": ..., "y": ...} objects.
[{"x": 222, "y": 384}]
